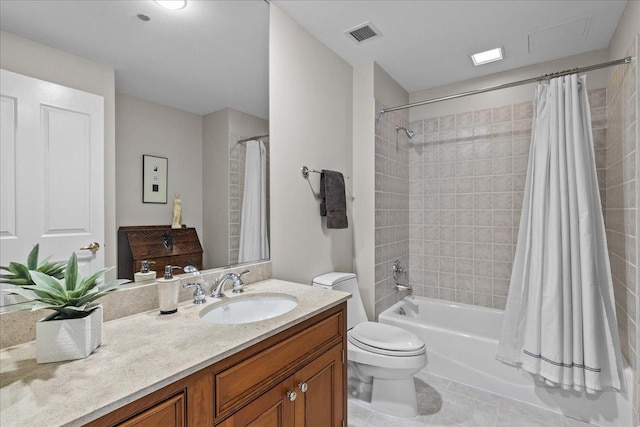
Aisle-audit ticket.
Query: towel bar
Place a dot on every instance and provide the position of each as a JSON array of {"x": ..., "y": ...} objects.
[{"x": 305, "y": 171}]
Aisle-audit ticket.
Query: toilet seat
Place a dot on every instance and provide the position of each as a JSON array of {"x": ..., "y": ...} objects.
[{"x": 386, "y": 339}]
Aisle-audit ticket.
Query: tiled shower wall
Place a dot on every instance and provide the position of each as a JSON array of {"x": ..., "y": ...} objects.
[
  {"x": 237, "y": 158},
  {"x": 466, "y": 181},
  {"x": 621, "y": 207},
  {"x": 391, "y": 206}
]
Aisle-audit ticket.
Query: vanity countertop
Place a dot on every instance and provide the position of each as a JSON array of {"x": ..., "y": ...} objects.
[{"x": 139, "y": 354}]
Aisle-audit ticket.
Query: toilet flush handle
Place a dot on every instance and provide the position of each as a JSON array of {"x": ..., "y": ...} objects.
[{"x": 303, "y": 387}]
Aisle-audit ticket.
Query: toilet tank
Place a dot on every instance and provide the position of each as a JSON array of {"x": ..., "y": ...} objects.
[{"x": 345, "y": 282}]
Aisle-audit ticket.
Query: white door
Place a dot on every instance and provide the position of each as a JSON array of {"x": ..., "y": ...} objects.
[{"x": 51, "y": 171}]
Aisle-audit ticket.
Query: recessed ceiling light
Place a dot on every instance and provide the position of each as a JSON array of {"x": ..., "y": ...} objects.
[
  {"x": 172, "y": 4},
  {"x": 487, "y": 56}
]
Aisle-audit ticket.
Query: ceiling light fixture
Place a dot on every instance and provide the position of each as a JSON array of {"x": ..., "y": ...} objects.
[
  {"x": 487, "y": 56},
  {"x": 172, "y": 4}
]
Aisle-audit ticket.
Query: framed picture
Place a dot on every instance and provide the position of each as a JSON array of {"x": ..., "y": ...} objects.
[{"x": 154, "y": 179}]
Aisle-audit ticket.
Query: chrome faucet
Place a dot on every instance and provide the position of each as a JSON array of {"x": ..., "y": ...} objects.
[{"x": 237, "y": 284}]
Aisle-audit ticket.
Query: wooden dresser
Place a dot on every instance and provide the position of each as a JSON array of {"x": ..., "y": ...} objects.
[{"x": 158, "y": 243}]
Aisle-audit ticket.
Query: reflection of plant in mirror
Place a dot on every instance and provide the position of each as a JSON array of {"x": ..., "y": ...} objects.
[
  {"x": 19, "y": 273},
  {"x": 72, "y": 297}
]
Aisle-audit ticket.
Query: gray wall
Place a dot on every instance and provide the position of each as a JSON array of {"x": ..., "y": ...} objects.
[
  {"x": 215, "y": 169},
  {"x": 311, "y": 124},
  {"x": 363, "y": 185},
  {"x": 145, "y": 127}
]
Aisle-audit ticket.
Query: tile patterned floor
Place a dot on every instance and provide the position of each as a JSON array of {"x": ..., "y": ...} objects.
[{"x": 442, "y": 402}]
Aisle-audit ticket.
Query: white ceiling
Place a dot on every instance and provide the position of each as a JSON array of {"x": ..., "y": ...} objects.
[
  {"x": 214, "y": 54},
  {"x": 205, "y": 57},
  {"x": 427, "y": 43}
]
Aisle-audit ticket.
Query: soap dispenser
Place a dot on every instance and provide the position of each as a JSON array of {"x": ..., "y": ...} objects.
[
  {"x": 145, "y": 274},
  {"x": 168, "y": 291}
]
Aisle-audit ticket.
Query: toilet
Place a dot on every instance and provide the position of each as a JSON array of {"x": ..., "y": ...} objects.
[{"x": 384, "y": 356}]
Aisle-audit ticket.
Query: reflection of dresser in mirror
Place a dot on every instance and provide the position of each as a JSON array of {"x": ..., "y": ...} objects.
[{"x": 158, "y": 243}]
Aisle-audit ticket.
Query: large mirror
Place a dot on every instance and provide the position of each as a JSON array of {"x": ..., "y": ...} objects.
[{"x": 191, "y": 86}]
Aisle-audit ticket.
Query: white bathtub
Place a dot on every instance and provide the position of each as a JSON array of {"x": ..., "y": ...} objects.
[{"x": 461, "y": 344}]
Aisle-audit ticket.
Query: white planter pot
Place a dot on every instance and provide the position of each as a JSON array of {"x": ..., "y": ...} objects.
[{"x": 69, "y": 339}]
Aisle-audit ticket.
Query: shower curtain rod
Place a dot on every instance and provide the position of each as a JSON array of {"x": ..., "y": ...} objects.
[
  {"x": 253, "y": 138},
  {"x": 626, "y": 60}
]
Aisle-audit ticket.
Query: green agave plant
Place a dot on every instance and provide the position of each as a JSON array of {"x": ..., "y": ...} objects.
[
  {"x": 19, "y": 274},
  {"x": 72, "y": 297}
]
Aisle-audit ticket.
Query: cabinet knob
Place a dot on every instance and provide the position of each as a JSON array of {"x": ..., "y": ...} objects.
[
  {"x": 303, "y": 387},
  {"x": 292, "y": 395}
]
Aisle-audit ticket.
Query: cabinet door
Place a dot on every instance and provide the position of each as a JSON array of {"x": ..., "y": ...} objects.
[
  {"x": 275, "y": 408},
  {"x": 170, "y": 413},
  {"x": 320, "y": 391}
]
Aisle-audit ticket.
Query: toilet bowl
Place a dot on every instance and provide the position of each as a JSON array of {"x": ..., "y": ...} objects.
[{"x": 384, "y": 356}]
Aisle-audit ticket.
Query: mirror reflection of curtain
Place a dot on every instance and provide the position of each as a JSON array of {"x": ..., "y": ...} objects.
[{"x": 254, "y": 242}]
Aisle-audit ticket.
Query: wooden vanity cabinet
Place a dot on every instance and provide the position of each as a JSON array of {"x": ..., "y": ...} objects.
[
  {"x": 311, "y": 398},
  {"x": 321, "y": 404},
  {"x": 272, "y": 409},
  {"x": 171, "y": 412},
  {"x": 254, "y": 386}
]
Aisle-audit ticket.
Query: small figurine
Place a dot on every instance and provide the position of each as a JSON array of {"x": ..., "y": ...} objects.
[{"x": 177, "y": 212}]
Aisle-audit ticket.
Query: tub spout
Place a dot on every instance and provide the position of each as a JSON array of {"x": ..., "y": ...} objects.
[{"x": 404, "y": 288}]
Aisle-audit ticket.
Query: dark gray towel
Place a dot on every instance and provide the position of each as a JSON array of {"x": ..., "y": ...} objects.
[{"x": 333, "y": 203}]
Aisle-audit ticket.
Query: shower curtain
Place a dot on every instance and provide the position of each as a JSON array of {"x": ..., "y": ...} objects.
[
  {"x": 560, "y": 321},
  {"x": 254, "y": 243}
]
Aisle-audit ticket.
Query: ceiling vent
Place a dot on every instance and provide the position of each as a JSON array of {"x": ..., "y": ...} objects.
[
  {"x": 363, "y": 32},
  {"x": 567, "y": 35}
]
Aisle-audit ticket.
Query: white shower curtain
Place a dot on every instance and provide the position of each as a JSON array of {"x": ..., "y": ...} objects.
[
  {"x": 254, "y": 242},
  {"x": 560, "y": 321}
]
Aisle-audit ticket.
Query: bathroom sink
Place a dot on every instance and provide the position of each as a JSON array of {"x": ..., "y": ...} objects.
[{"x": 250, "y": 308}]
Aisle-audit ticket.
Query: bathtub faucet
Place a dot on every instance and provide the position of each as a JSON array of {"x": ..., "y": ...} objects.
[
  {"x": 400, "y": 275},
  {"x": 404, "y": 288}
]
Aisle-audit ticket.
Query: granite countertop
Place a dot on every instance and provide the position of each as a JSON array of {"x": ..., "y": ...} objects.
[{"x": 139, "y": 354}]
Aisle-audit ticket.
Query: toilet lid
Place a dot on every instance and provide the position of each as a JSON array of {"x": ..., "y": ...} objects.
[{"x": 386, "y": 339}]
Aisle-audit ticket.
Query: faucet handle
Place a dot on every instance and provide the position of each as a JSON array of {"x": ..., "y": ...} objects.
[
  {"x": 238, "y": 284},
  {"x": 199, "y": 295},
  {"x": 191, "y": 269}
]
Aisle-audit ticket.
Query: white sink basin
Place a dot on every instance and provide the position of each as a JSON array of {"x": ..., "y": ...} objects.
[{"x": 247, "y": 309}]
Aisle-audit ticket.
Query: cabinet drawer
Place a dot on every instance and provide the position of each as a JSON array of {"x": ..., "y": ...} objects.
[
  {"x": 243, "y": 381},
  {"x": 170, "y": 413}
]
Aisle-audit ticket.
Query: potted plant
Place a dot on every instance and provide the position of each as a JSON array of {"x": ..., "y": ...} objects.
[
  {"x": 19, "y": 273},
  {"x": 74, "y": 329}
]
